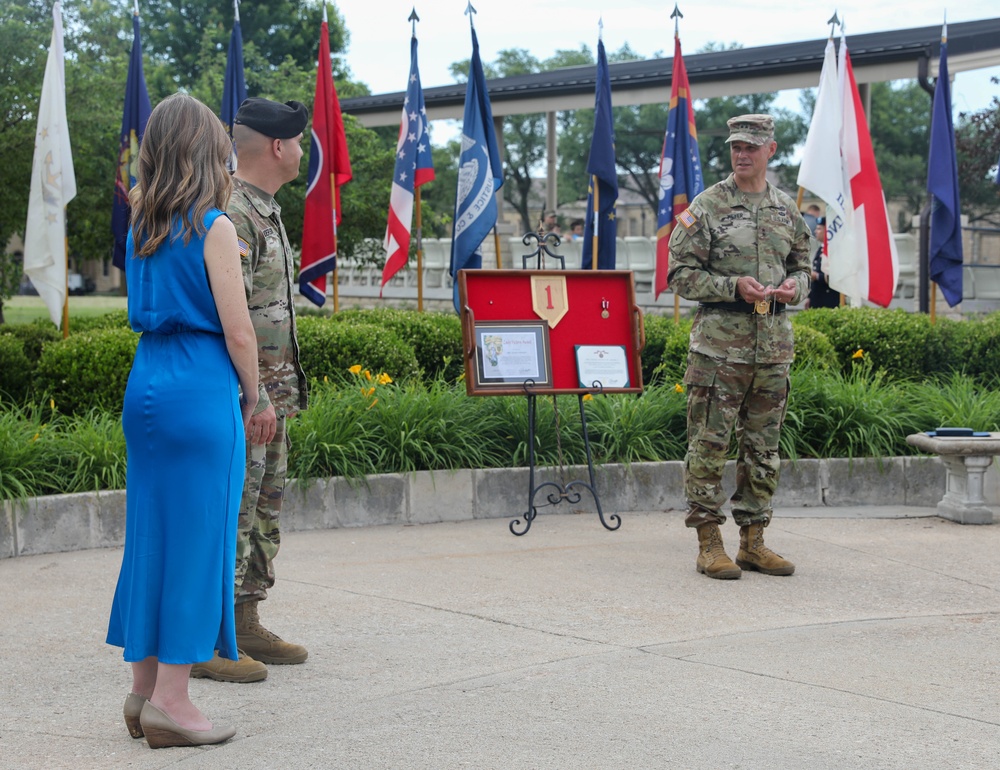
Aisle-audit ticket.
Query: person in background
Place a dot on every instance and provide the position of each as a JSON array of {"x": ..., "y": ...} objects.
[
  {"x": 576, "y": 230},
  {"x": 184, "y": 422},
  {"x": 550, "y": 223},
  {"x": 812, "y": 216},
  {"x": 820, "y": 293},
  {"x": 742, "y": 251},
  {"x": 268, "y": 139}
]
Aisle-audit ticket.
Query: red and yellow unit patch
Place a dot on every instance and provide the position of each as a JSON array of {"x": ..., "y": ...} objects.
[
  {"x": 687, "y": 219},
  {"x": 244, "y": 247}
]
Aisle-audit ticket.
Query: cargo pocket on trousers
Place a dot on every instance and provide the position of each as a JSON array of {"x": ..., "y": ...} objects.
[{"x": 700, "y": 385}]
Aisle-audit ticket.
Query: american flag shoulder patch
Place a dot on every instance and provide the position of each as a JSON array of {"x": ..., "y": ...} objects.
[
  {"x": 244, "y": 247},
  {"x": 687, "y": 219}
]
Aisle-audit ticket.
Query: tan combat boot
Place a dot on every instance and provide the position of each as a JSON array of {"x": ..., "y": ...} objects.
[
  {"x": 261, "y": 643},
  {"x": 244, "y": 670},
  {"x": 753, "y": 554},
  {"x": 712, "y": 559}
]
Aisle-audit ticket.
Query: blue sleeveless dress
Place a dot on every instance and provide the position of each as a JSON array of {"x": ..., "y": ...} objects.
[{"x": 186, "y": 455}]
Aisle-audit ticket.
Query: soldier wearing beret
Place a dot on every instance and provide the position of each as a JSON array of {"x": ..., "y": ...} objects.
[
  {"x": 742, "y": 251},
  {"x": 268, "y": 139}
]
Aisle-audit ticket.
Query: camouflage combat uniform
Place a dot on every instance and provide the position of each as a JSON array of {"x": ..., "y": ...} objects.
[
  {"x": 738, "y": 364},
  {"x": 267, "y": 275}
]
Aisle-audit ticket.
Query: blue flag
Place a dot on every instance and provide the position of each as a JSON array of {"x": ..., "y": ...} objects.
[
  {"x": 945, "y": 252},
  {"x": 234, "y": 87},
  {"x": 480, "y": 175},
  {"x": 602, "y": 192},
  {"x": 134, "y": 117}
]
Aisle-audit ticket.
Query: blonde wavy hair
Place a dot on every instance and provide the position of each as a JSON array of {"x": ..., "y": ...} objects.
[{"x": 182, "y": 172}]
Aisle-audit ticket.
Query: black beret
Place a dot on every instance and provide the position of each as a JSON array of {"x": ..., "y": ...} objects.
[{"x": 278, "y": 121}]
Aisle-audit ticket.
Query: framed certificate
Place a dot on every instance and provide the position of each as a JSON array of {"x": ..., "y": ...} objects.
[
  {"x": 602, "y": 366},
  {"x": 512, "y": 353}
]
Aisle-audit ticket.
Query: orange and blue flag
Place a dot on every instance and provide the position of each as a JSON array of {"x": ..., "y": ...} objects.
[
  {"x": 680, "y": 167},
  {"x": 134, "y": 117}
]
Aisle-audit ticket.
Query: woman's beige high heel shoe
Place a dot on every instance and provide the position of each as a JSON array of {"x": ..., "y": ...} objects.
[
  {"x": 162, "y": 731},
  {"x": 132, "y": 708}
]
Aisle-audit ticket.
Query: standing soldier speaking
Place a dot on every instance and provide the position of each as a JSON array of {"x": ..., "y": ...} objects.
[
  {"x": 742, "y": 251},
  {"x": 268, "y": 136}
]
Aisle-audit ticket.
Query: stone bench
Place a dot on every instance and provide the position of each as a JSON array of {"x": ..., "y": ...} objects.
[{"x": 966, "y": 460}]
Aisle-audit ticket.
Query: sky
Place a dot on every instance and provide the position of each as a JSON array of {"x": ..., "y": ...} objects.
[{"x": 379, "y": 54}]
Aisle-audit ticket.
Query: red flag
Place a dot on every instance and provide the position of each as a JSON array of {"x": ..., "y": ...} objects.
[
  {"x": 867, "y": 266},
  {"x": 329, "y": 168}
]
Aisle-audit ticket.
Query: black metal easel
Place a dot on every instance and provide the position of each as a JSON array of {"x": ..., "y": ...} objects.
[{"x": 571, "y": 492}]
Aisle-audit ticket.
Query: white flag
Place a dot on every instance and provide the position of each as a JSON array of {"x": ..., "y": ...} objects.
[
  {"x": 822, "y": 171},
  {"x": 866, "y": 267},
  {"x": 53, "y": 183}
]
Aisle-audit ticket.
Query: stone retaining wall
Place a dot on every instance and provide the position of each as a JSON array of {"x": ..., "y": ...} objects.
[{"x": 97, "y": 520}]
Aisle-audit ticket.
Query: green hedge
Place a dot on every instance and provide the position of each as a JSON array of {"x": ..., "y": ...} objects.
[
  {"x": 436, "y": 338},
  {"x": 90, "y": 368},
  {"x": 87, "y": 370},
  {"x": 330, "y": 349},
  {"x": 16, "y": 369}
]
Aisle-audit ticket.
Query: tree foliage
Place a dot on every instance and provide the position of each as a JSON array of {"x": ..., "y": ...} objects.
[{"x": 977, "y": 140}]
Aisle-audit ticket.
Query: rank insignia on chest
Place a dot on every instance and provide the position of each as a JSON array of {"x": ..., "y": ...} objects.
[
  {"x": 244, "y": 247},
  {"x": 268, "y": 231},
  {"x": 687, "y": 219}
]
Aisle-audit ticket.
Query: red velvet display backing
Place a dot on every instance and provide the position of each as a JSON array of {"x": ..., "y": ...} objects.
[{"x": 505, "y": 295}]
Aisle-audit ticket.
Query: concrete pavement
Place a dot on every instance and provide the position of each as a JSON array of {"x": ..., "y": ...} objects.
[{"x": 457, "y": 645}]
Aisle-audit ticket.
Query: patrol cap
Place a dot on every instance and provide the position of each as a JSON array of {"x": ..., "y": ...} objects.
[
  {"x": 278, "y": 121},
  {"x": 752, "y": 129}
]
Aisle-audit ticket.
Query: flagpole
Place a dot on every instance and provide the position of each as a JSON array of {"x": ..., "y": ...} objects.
[
  {"x": 420, "y": 252},
  {"x": 597, "y": 221},
  {"x": 336, "y": 248},
  {"x": 65, "y": 314}
]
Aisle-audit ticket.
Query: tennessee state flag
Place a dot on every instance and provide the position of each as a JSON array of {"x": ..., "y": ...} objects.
[
  {"x": 329, "y": 169},
  {"x": 680, "y": 165},
  {"x": 134, "y": 117},
  {"x": 414, "y": 166}
]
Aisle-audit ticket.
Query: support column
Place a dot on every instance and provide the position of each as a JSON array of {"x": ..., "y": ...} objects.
[{"x": 551, "y": 196}]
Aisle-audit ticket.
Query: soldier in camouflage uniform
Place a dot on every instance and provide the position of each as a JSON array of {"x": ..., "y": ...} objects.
[
  {"x": 268, "y": 136},
  {"x": 742, "y": 251}
]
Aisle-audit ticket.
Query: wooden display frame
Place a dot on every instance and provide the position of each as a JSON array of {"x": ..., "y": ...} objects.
[{"x": 578, "y": 307}]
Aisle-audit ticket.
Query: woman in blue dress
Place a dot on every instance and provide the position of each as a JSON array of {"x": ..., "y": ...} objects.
[{"x": 184, "y": 422}]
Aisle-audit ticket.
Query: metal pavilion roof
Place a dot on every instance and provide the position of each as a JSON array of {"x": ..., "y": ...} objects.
[{"x": 877, "y": 56}]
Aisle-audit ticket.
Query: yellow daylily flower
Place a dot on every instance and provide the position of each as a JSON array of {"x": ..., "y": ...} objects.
[
  {"x": 374, "y": 401},
  {"x": 367, "y": 391},
  {"x": 325, "y": 378},
  {"x": 859, "y": 353},
  {"x": 678, "y": 388},
  {"x": 35, "y": 437},
  {"x": 356, "y": 369},
  {"x": 52, "y": 403},
  {"x": 588, "y": 397},
  {"x": 384, "y": 379}
]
